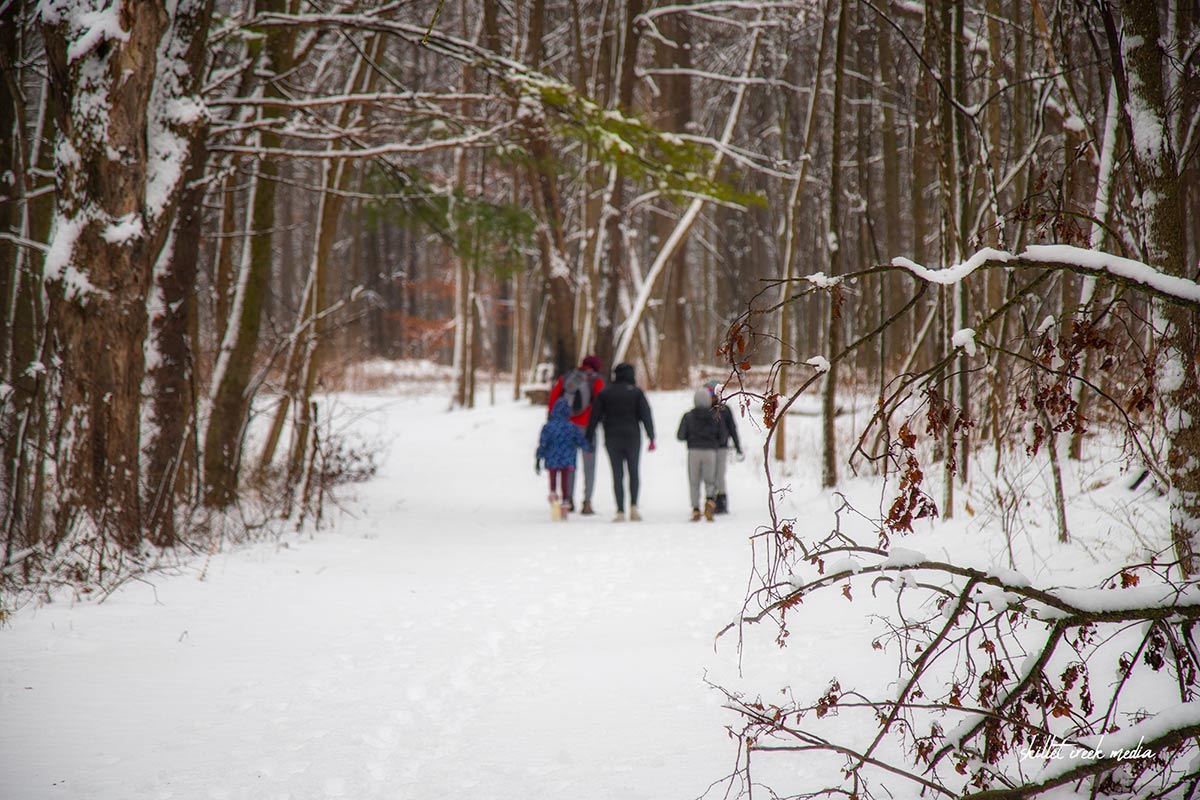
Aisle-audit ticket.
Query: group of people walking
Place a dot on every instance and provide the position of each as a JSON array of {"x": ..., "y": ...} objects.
[{"x": 580, "y": 402}]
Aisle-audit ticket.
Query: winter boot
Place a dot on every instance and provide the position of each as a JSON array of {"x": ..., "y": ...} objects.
[
  {"x": 695, "y": 515},
  {"x": 619, "y": 516},
  {"x": 565, "y": 510},
  {"x": 587, "y": 508},
  {"x": 555, "y": 507},
  {"x": 709, "y": 508},
  {"x": 634, "y": 516},
  {"x": 722, "y": 503}
]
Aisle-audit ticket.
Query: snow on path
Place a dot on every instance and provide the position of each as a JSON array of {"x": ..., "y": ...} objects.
[{"x": 448, "y": 641}]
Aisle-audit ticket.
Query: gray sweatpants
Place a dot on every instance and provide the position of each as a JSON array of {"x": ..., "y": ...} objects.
[
  {"x": 589, "y": 476},
  {"x": 702, "y": 466},
  {"x": 722, "y": 459}
]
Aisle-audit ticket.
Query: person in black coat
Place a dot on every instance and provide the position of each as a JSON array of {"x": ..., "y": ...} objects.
[
  {"x": 621, "y": 408},
  {"x": 703, "y": 428},
  {"x": 722, "y": 500}
]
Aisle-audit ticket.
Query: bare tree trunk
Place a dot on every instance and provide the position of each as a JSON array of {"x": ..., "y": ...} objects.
[
  {"x": 518, "y": 334},
  {"x": 829, "y": 472},
  {"x": 793, "y": 216},
  {"x": 231, "y": 392},
  {"x": 1154, "y": 156},
  {"x": 1100, "y": 209},
  {"x": 680, "y": 231},
  {"x": 308, "y": 339},
  {"x": 10, "y": 186},
  {"x": 962, "y": 213},
  {"x": 172, "y": 412},
  {"x": 25, "y": 407},
  {"x": 107, "y": 240},
  {"x": 223, "y": 272},
  {"x": 1060, "y": 499},
  {"x": 675, "y": 352},
  {"x": 315, "y": 313},
  {"x": 170, "y": 374},
  {"x": 612, "y": 269}
]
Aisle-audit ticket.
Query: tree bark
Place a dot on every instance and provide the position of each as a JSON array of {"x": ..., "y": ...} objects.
[
  {"x": 829, "y": 471},
  {"x": 675, "y": 351},
  {"x": 231, "y": 393},
  {"x": 170, "y": 373},
  {"x": 793, "y": 216},
  {"x": 1154, "y": 156},
  {"x": 106, "y": 241}
]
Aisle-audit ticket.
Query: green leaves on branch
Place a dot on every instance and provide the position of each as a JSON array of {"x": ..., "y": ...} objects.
[
  {"x": 489, "y": 236},
  {"x": 493, "y": 237},
  {"x": 673, "y": 165}
]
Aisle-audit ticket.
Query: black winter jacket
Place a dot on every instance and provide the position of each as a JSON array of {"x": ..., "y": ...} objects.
[
  {"x": 730, "y": 428},
  {"x": 621, "y": 406},
  {"x": 702, "y": 427}
]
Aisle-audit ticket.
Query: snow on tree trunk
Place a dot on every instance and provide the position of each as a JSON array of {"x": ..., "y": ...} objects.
[
  {"x": 124, "y": 134},
  {"x": 1161, "y": 200},
  {"x": 169, "y": 359}
]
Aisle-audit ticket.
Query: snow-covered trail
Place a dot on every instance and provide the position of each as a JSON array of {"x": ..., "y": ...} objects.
[{"x": 448, "y": 641}]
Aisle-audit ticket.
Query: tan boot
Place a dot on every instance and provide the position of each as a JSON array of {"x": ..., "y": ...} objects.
[
  {"x": 634, "y": 516},
  {"x": 709, "y": 509}
]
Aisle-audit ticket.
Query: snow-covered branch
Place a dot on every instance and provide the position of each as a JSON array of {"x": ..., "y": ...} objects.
[{"x": 1065, "y": 257}]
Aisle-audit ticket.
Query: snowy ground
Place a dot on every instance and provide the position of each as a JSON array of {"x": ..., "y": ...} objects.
[{"x": 445, "y": 639}]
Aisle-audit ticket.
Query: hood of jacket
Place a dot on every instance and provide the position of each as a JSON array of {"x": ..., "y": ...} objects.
[
  {"x": 561, "y": 410},
  {"x": 623, "y": 373},
  {"x": 702, "y": 398}
]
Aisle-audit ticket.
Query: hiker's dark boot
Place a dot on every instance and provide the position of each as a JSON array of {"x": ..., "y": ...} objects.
[{"x": 722, "y": 504}]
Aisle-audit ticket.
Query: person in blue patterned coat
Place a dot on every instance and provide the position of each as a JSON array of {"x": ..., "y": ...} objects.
[{"x": 559, "y": 441}]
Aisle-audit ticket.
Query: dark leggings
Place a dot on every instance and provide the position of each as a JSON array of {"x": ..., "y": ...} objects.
[
  {"x": 621, "y": 454},
  {"x": 563, "y": 474}
]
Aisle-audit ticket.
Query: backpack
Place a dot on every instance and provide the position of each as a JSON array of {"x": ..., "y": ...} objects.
[{"x": 577, "y": 388}]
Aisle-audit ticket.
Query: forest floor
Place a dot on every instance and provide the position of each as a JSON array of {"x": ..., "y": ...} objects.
[{"x": 442, "y": 638}]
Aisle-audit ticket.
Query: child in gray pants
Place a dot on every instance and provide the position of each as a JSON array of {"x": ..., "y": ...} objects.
[{"x": 704, "y": 431}]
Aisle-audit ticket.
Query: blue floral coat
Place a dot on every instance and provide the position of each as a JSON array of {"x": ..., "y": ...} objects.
[{"x": 560, "y": 438}]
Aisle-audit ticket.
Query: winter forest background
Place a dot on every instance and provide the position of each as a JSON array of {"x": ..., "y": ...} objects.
[{"x": 978, "y": 220}]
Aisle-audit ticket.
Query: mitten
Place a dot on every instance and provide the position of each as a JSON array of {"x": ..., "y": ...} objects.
[
  {"x": 537, "y": 466},
  {"x": 652, "y": 446}
]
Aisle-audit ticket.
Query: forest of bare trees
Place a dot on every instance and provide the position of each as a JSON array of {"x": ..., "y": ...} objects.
[{"x": 209, "y": 207}]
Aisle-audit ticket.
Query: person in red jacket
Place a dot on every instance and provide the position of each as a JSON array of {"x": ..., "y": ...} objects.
[{"x": 579, "y": 387}]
